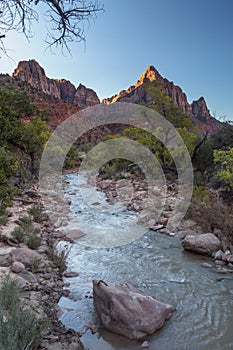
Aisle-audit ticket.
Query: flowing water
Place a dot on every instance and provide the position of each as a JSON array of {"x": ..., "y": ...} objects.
[{"x": 158, "y": 266}]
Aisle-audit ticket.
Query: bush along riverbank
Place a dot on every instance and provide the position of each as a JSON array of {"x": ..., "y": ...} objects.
[{"x": 31, "y": 271}]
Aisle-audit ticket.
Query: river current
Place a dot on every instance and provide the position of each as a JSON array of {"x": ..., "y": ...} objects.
[{"x": 157, "y": 265}]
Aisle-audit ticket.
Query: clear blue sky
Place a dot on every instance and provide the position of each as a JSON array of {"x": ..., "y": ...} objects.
[{"x": 190, "y": 42}]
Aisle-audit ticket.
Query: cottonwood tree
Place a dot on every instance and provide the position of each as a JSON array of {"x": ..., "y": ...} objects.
[{"x": 65, "y": 19}]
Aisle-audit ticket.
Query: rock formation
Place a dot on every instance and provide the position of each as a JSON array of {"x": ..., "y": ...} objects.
[
  {"x": 139, "y": 94},
  {"x": 123, "y": 309},
  {"x": 31, "y": 72}
]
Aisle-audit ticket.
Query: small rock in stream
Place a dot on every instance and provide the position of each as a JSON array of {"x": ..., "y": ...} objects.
[
  {"x": 71, "y": 274},
  {"x": 205, "y": 264},
  {"x": 145, "y": 344}
]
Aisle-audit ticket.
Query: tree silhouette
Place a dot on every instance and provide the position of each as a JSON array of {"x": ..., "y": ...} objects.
[{"x": 65, "y": 19}]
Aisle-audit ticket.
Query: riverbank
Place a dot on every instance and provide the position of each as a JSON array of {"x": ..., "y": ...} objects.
[
  {"x": 41, "y": 284},
  {"x": 39, "y": 271},
  {"x": 133, "y": 193}
]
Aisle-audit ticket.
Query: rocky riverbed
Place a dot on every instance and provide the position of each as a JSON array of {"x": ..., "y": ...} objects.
[
  {"x": 133, "y": 194},
  {"x": 41, "y": 279},
  {"x": 38, "y": 275}
]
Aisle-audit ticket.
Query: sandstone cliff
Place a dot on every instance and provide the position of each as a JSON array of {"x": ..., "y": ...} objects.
[
  {"x": 139, "y": 94},
  {"x": 32, "y": 73}
]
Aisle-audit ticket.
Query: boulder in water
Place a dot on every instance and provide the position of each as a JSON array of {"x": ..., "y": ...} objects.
[
  {"x": 206, "y": 243},
  {"x": 123, "y": 309}
]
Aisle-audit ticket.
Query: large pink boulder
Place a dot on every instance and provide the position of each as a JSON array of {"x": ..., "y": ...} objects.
[{"x": 123, "y": 309}]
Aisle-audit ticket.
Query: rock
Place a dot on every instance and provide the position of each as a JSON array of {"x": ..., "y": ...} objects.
[
  {"x": 227, "y": 252},
  {"x": 32, "y": 194},
  {"x": 219, "y": 279},
  {"x": 32, "y": 73},
  {"x": 139, "y": 93},
  {"x": 5, "y": 261},
  {"x": 71, "y": 274},
  {"x": 186, "y": 232},
  {"x": 85, "y": 97},
  {"x": 156, "y": 227},
  {"x": 219, "y": 262},
  {"x": 26, "y": 256},
  {"x": 123, "y": 309},
  {"x": 74, "y": 234},
  {"x": 222, "y": 270},
  {"x": 218, "y": 255},
  {"x": 145, "y": 344},
  {"x": 200, "y": 110},
  {"x": 53, "y": 339},
  {"x": 163, "y": 221},
  {"x": 17, "y": 267},
  {"x": 205, "y": 264},
  {"x": 225, "y": 257},
  {"x": 47, "y": 276},
  {"x": 230, "y": 258},
  {"x": 28, "y": 276},
  {"x": 206, "y": 243}
]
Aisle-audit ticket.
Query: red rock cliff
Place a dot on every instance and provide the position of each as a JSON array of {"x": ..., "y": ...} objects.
[{"x": 31, "y": 72}]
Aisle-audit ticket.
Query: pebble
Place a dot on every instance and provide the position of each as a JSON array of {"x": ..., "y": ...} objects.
[
  {"x": 219, "y": 279},
  {"x": 53, "y": 339},
  {"x": 222, "y": 270},
  {"x": 157, "y": 227},
  {"x": 172, "y": 234},
  {"x": 205, "y": 264},
  {"x": 65, "y": 292},
  {"x": 71, "y": 274},
  {"x": 47, "y": 276},
  {"x": 219, "y": 262},
  {"x": 17, "y": 267},
  {"x": 145, "y": 344}
]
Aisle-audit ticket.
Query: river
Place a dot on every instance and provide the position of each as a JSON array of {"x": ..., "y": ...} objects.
[{"x": 157, "y": 265}]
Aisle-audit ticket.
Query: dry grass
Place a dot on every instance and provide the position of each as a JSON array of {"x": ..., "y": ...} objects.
[{"x": 58, "y": 255}]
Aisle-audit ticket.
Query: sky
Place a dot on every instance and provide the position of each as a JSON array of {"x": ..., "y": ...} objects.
[{"x": 190, "y": 42}]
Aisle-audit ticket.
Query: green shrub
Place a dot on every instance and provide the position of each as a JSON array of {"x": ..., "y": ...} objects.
[
  {"x": 3, "y": 219},
  {"x": 33, "y": 241},
  {"x": 18, "y": 234},
  {"x": 26, "y": 219},
  {"x": 19, "y": 329},
  {"x": 37, "y": 212},
  {"x": 201, "y": 194},
  {"x": 27, "y": 234},
  {"x": 224, "y": 163}
]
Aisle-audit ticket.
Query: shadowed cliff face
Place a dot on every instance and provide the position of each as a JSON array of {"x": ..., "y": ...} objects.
[
  {"x": 31, "y": 72},
  {"x": 138, "y": 93}
]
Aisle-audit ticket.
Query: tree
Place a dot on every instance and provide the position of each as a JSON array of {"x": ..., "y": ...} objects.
[
  {"x": 65, "y": 17},
  {"x": 28, "y": 138},
  {"x": 164, "y": 105},
  {"x": 7, "y": 169},
  {"x": 33, "y": 139},
  {"x": 224, "y": 160}
]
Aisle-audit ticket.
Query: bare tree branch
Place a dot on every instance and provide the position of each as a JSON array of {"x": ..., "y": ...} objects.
[{"x": 67, "y": 18}]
